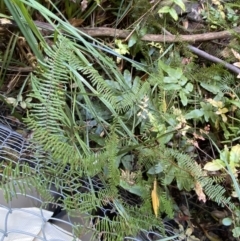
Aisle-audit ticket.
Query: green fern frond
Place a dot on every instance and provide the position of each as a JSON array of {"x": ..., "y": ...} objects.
[
  {"x": 166, "y": 205},
  {"x": 214, "y": 191}
]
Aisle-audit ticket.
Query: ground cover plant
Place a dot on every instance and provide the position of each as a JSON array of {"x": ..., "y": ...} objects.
[{"x": 140, "y": 97}]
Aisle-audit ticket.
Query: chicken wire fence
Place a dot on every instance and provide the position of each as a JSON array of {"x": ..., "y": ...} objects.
[{"x": 27, "y": 214}]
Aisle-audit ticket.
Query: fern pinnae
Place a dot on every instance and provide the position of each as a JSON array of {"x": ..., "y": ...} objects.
[
  {"x": 50, "y": 94},
  {"x": 214, "y": 191}
]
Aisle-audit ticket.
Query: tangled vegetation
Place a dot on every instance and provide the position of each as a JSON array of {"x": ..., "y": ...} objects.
[{"x": 139, "y": 96}]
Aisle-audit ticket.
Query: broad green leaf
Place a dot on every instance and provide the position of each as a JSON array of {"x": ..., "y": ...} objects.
[
  {"x": 127, "y": 162},
  {"x": 236, "y": 232},
  {"x": 133, "y": 39},
  {"x": 172, "y": 87},
  {"x": 212, "y": 88},
  {"x": 170, "y": 80},
  {"x": 11, "y": 100},
  {"x": 208, "y": 112},
  {"x": 164, "y": 9},
  {"x": 28, "y": 100},
  {"x": 143, "y": 31},
  {"x": 159, "y": 128},
  {"x": 224, "y": 155},
  {"x": 98, "y": 139},
  {"x": 235, "y": 102},
  {"x": 183, "y": 80},
  {"x": 23, "y": 104},
  {"x": 155, "y": 169},
  {"x": 215, "y": 165},
  {"x": 235, "y": 154},
  {"x": 135, "y": 189},
  {"x": 164, "y": 67},
  {"x": 175, "y": 73},
  {"x": 128, "y": 77},
  {"x": 189, "y": 87},
  {"x": 19, "y": 98},
  {"x": 181, "y": 4},
  {"x": 215, "y": 103},
  {"x": 173, "y": 13},
  {"x": 227, "y": 221},
  {"x": 183, "y": 98},
  {"x": 165, "y": 138},
  {"x": 122, "y": 48},
  {"x": 222, "y": 111},
  {"x": 194, "y": 114},
  {"x": 113, "y": 84}
]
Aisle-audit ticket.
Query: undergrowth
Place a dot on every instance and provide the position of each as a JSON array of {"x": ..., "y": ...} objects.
[{"x": 135, "y": 128}]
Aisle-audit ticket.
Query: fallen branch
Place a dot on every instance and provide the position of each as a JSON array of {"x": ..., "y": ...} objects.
[
  {"x": 109, "y": 32},
  {"x": 167, "y": 37},
  {"x": 123, "y": 34},
  {"x": 209, "y": 56},
  {"x": 214, "y": 59}
]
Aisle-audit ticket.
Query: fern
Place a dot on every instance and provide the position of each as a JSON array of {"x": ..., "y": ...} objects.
[
  {"x": 90, "y": 180},
  {"x": 68, "y": 163},
  {"x": 214, "y": 191},
  {"x": 166, "y": 205}
]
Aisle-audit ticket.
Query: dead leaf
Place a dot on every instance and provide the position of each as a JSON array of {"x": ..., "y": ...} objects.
[
  {"x": 5, "y": 21},
  {"x": 199, "y": 192},
  {"x": 196, "y": 136},
  {"x": 195, "y": 143},
  {"x": 207, "y": 128},
  {"x": 192, "y": 238},
  {"x": 186, "y": 61},
  {"x": 226, "y": 53},
  {"x": 155, "y": 199},
  {"x": 212, "y": 236},
  {"x": 237, "y": 64},
  {"x": 188, "y": 232},
  {"x": 236, "y": 54},
  {"x": 13, "y": 82},
  {"x": 219, "y": 214},
  {"x": 84, "y": 4},
  {"x": 185, "y": 210},
  {"x": 185, "y": 24},
  {"x": 76, "y": 22}
]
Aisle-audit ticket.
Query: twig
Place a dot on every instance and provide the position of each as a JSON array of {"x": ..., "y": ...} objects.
[
  {"x": 17, "y": 69},
  {"x": 214, "y": 59},
  {"x": 209, "y": 56}
]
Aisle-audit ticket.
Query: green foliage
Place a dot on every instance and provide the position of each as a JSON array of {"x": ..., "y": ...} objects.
[
  {"x": 176, "y": 81},
  {"x": 170, "y": 9},
  {"x": 55, "y": 129},
  {"x": 219, "y": 14},
  {"x": 94, "y": 122}
]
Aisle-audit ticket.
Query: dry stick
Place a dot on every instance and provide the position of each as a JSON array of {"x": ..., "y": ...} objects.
[
  {"x": 111, "y": 32},
  {"x": 167, "y": 37},
  {"x": 214, "y": 59},
  {"x": 209, "y": 56}
]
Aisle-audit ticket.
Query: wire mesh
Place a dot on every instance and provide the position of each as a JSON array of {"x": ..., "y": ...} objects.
[
  {"x": 33, "y": 215},
  {"x": 23, "y": 215}
]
